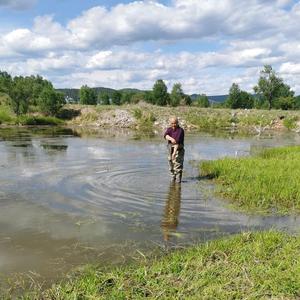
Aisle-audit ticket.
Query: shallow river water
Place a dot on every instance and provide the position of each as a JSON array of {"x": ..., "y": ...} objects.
[{"x": 68, "y": 199}]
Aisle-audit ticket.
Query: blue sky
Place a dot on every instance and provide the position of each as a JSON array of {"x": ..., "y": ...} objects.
[{"x": 204, "y": 44}]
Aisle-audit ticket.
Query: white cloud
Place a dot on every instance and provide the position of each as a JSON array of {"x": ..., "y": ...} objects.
[
  {"x": 290, "y": 68},
  {"x": 104, "y": 47},
  {"x": 283, "y": 3},
  {"x": 140, "y": 21}
]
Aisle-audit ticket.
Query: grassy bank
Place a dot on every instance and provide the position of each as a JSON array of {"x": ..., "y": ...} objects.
[
  {"x": 269, "y": 182},
  {"x": 194, "y": 118},
  {"x": 247, "y": 266},
  {"x": 7, "y": 117},
  {"x": 147, "y": 117}
]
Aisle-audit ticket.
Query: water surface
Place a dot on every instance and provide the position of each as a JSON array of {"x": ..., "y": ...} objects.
[{"x": 69, "y": 198}]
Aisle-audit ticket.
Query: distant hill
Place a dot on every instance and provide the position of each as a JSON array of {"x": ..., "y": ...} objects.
[
  {"x": 74, "y": 93},
  {"x": 129, "y": 90},
  {"x": 219, "y": 98}
]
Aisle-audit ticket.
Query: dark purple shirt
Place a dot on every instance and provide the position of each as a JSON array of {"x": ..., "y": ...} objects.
[{"x": 177, "y": 134}]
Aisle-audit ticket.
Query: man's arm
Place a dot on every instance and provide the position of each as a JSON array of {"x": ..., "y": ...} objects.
[{"x": 169, "y": 138}]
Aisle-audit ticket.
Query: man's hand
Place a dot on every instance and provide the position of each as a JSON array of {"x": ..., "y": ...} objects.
[
  {"x": 173, "y": 141},
  {"x": 169, "y": 138}
]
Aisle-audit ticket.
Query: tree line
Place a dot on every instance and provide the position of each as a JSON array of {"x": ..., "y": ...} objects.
[
  {"x": 31, "y": 93},
  {"x": 270, "y": 92},
  {"x": 158, "y": 96}
]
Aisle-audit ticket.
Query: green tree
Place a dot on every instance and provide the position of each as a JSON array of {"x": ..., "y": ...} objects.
[
  {"x": 270, "y": 87},
  {"x": 103, "y": 98},
  {"x": 202, "y": 101},
  {"x": 233, "y": 98},
  {"x": 126, "y": 97},
  {"x": 5, "y": 82},
  {"x": 50, "y": 101},
  {"x": 87, "y": 95},
  {"x": 285, "y": 103},
  {"x": 20, "y": 94},
  {"x": 37, "y": 84},
  {"x": 176, "y": 95},
  {"x": 160, "y": 93},
  {"x": 247, "y": 100},
  {"x": 116, "y": 98},
  {"x": 148, "y": 97},
  {"x": 238, "y": 98},
  {"x": 137, "y": 97},
  {"x": 187, "y": 100},
  {"x": 297, "y": 102}
]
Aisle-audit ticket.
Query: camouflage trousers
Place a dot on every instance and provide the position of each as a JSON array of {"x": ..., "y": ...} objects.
[{"x": 176, "y": 164}]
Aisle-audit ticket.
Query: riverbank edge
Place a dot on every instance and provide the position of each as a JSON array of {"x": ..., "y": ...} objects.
[
  {"x": 147, "y": 117},
  {"x": 266, "y": 183},
  {"x": 260, "y": 265}
]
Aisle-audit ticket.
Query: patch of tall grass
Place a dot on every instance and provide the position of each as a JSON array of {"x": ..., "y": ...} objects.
[
  {"x": 262, "y": 265},
  {"x": 291, "y": 122},
  {"x": 6, "y": 116},
  {"x": 28, "y": 120},
  {"x": 145, "y": 119},
  {"x": 268, "y": 182}
]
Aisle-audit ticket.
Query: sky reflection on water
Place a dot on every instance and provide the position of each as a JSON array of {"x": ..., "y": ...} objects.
[{"x": 69, "y": 198}]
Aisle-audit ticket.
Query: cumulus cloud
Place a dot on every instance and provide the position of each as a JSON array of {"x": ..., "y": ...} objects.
[
  {"x": 140, "y": 21},
  {"x": 290, "y": 68},
  {"x": 104, "y": 47}
]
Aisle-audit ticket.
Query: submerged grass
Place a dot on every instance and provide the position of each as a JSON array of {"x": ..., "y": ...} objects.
[
  {"x": 268, "y": 182},
  {"x": 262, "y": 265}
]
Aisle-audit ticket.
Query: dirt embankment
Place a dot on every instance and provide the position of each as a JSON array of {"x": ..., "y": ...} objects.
[{"x": 191, "y": 118}]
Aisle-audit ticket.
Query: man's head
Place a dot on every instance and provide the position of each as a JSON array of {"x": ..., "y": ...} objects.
[{"x": 174, "y": 122}]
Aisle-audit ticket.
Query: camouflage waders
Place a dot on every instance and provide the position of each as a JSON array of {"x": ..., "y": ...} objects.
[{"x": 176, "y": 165}]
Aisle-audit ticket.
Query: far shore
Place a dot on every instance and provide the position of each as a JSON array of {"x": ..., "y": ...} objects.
[{"x": 146, "y": 117}]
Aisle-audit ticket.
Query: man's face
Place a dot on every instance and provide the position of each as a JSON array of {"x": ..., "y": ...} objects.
[{"x": 174, "y": 123}]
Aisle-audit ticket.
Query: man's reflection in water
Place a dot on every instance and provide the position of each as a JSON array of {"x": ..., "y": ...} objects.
[{"x": 172, "y": 208}]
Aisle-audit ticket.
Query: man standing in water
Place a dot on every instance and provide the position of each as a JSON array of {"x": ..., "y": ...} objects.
[{"x": 175, "y": 137}]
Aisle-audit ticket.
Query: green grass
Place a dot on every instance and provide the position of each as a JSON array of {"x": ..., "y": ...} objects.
[
  {"x": 291, "y": 122},
  {"x": 268, "y": 183},
  {"x": 6, "y": 116},
  {"x": 262, "y": 265},
  {"x": 191, "y": 117},
  {"x": 145, "y": 119},
  {"x": 38, "y": 120}
]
